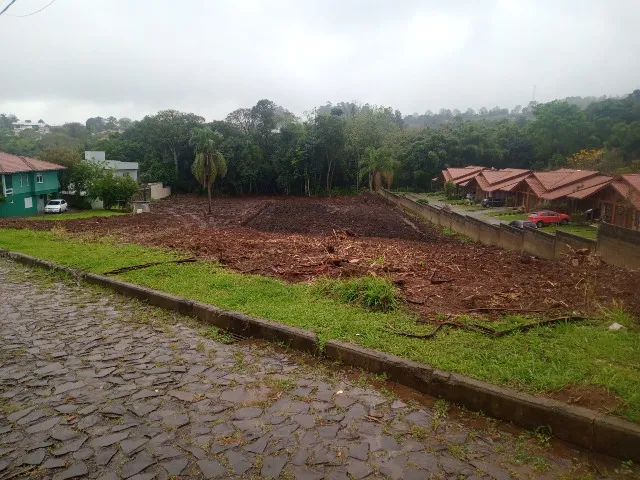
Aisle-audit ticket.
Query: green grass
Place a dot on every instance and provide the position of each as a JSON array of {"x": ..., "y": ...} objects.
[
  {"x": 544, "y": 359},
  {"x": 76, "y": 215},
  {"x": 372, "y": 293},
  {"x": 586, "y": 231},
  {"x": 508, "y": 216}
]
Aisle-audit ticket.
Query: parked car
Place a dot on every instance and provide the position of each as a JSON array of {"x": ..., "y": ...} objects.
[
  {"x": 548, "y": 217},
  {"x": 55, "y": 206},
  {"x": 522, "y": 224},
  {"x": 492, "y": 202}
]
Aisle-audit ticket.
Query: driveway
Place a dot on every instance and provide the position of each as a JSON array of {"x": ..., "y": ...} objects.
[{"x": 93, "y": 385}]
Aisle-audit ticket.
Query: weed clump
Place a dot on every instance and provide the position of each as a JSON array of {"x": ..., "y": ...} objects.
[{"x": 371, "y": 292}]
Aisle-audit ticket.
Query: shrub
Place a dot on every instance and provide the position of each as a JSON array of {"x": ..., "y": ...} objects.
[
  {"x": 422, "y": 201},
  {"x": 113, "y": 189},
  {"x": 450, "y": 190},
  {"x": 579, "y": 219},
  {"x": 371, "y": 292}
]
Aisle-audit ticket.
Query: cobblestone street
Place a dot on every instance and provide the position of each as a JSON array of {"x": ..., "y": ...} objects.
[{"x": 99, "y": 386}]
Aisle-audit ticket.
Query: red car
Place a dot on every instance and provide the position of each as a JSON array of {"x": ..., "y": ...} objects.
[{"x": 548, "y": 217}]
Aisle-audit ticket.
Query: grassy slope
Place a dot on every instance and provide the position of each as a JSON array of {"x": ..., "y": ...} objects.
[
  {"x": 542, "y": 360},
  {"x": 73, "y": 216}
]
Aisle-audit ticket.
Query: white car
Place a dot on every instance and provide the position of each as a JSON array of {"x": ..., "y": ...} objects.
[{"x": 55, "y": 206}]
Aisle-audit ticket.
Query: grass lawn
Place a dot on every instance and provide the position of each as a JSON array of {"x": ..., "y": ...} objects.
[
  {"x": 586, "y": 231},
  {"x": 544, "y": 359},
  {"x": 75, "y": 215},
  {"x": 508, "y": 216}
]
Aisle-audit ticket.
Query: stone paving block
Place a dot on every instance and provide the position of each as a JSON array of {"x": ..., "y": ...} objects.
[{"x": 122, "y": 397}]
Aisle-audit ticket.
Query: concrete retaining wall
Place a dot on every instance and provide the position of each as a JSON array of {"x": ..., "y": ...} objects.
[
  {"x": 619, "y": 246},
  {"x": 567, "y": 241},
  {"x": 583, "y": 427},
  {"x": 616, "y": 245},
  {"x": 159, "y": 191},
  {"x": 539, "y": 244}
]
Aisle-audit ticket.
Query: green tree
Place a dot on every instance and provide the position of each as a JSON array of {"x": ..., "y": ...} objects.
[
  {"x": 560, "y": 128},
  {"x": 209, "y": 162},
  {"x": 65, "y": 156},
  {"x": 113, "y": 189},
  {"x": 450, "y": 190},
  {"x": 378, "y": 164}
]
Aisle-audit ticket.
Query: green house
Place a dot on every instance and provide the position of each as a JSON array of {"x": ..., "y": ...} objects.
[{"x": 27, "y": 184}]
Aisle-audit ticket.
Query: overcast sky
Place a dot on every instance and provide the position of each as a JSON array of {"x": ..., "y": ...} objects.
[{"x": 83, "y": 58}]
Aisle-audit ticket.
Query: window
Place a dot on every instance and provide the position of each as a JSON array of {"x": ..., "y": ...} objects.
[
  {"x": 39, "y": 178},
  {"x": 28, "y": 202},
  {"x": 27, "y": 175},
  {"x": 21, "y": 180}
]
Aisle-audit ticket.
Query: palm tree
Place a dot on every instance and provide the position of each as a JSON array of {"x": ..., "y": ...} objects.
[
  {"x": 209, "y": 163},
  {"x": 378, "y": 164}
]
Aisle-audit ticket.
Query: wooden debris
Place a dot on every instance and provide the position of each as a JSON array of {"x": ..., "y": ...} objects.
[{"x": 147, "y": 265}]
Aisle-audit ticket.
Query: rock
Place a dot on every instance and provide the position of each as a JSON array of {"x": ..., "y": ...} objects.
[
  {"x": 130, "y": 445},
  {"x": 34, "y": 458},
  {"x": 104, "y": 456},
  {"x": 55, "y": 463},
  {"x": 176, "y": 420},
  {"x": 211, "y": 468},
  {"x": 180, "y": 395},
  {"x": 175, "y": 466},
  {"x": 273, "y": 465},
  {"x": 78, "y": 469},
  {"x": 361, "y": 451},
  {"x": 107, "y": 440},
  {"x": 43, "y": 426},
  {"x": 358, "y": 469},
  {"x": 240, "y": 462},
  {"x": 141, "y": 461}
]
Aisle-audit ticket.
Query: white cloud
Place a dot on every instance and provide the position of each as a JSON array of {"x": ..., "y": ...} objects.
[{"x": 83, "y": 58}]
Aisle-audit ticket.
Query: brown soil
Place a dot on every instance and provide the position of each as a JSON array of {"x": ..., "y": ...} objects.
[
  {"x": 298, "y": 239},
  {"x": 595, "y": 398}
]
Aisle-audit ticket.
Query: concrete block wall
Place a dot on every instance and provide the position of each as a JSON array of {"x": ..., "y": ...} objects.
[
  {"x": 542, "y": 245},
  {"x": 567, "y": 241},
  {"x": 616, "y": 245},
  {"x": 488, "y": 234},
  {"x": 511, "y": 238},
  {"x": 619, "y": 246}
]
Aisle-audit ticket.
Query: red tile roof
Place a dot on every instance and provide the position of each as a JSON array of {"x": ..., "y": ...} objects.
[
  {"x": 629, "y": 187},
  {"x": 462, "y": 174},
  {"x": 15, "y": 164},
  {"x": 505, "y": 180},
  {"x": 574, "y": 189}
]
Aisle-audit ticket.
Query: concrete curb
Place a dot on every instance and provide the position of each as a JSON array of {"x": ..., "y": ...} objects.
[{"x": 580, "y": 426}]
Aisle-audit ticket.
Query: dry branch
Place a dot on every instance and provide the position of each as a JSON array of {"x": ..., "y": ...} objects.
[
  {"x": 147, "y": 265},
  {"x": 486, "y": 330}
]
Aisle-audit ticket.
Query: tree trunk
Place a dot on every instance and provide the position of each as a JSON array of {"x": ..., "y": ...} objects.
[
  {"x": 175, "y": 162},
  {"x": 209, "y": 194}
]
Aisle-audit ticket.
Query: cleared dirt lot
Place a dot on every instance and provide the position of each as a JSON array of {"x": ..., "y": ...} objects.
[{"x": 298, "y": 239}]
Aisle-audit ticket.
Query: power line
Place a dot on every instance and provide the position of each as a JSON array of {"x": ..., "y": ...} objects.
[
  {"x": 7, "y": 7},
  {"x": 37, "y": 11}
]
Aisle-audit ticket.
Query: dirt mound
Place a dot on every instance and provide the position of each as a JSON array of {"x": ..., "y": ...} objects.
[
  {"x": 298, "y": 239},
  {"x": 365, "y": 216}
]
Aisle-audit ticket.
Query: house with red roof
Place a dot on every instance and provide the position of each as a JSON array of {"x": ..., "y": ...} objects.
[
  {"x": 619, "y": 201},
  {"x": 26, "y": 184},
  {"x": 492, "y": 183},
  {"x": 570, "y": 186},
  {"x": 460, "y": 175}
]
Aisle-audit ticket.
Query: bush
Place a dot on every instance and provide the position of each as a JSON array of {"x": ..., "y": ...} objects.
[
  {"x": 450, "y": 190},
  {"x": 422, "y": 201},
  {"x": 372, "y": 293},
  {"x": 113, "y": 189},
  {"x": 579, "y": 219}
]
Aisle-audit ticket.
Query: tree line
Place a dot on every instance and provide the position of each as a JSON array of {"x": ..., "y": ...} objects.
[{"x": 268, "y": 150}]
